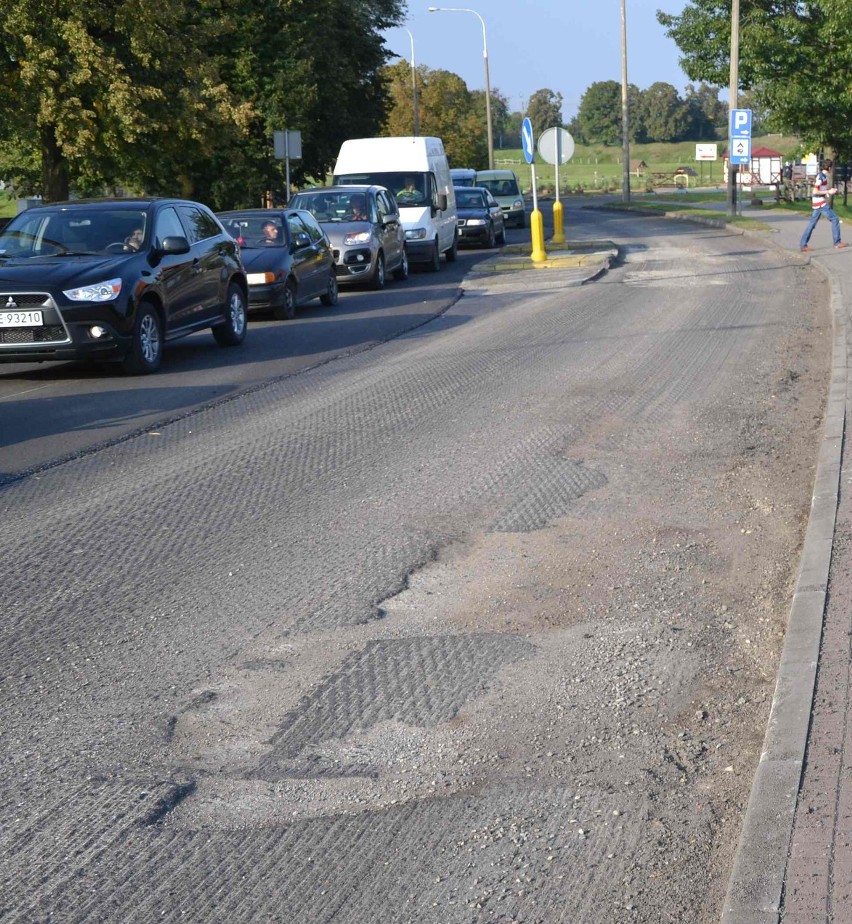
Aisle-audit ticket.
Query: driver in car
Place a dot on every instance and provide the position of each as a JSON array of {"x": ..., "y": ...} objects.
[{"x": 133, "y": 241}]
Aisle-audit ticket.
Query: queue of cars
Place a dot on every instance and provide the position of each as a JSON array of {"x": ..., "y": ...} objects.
[{"x": 113, "y": 280}]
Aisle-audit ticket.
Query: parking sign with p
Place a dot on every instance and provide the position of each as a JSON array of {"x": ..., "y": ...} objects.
[{"x": 740, "y": 139}]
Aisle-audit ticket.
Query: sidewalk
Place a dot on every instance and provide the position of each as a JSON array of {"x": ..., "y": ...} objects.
[{"x": 794, "y": 859}]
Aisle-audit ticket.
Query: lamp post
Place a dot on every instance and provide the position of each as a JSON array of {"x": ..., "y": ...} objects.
[
  {"x": 414, "y": 86},
  {"x": 456, "y": 9}
]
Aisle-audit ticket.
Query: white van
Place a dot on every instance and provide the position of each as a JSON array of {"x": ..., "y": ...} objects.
[{"x": 416, "y": 171}]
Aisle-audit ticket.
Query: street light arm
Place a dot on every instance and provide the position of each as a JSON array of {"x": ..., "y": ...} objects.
[
  {"x": 459, "y": 9},
  {"x": 464, "y": 9}
]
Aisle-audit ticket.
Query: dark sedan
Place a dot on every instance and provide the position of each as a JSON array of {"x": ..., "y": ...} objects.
[
  {"x": 287, "y": 256},
  {"x": 111, "y": 280},
  {"x": 480, "y": 217}
]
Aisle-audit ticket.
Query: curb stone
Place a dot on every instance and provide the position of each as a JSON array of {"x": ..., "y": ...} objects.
[{"x": 756, "y": 882}]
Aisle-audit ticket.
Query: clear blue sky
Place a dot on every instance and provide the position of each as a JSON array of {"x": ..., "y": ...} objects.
[{"x": 565, "y": 45}]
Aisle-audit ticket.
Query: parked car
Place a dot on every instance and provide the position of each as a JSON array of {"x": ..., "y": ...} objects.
[
  {"x": 365, "y": 230},
  {"x": 504, "y": 186},
  {"x": 480, "y": 217},
  {"x": 463, "y": 176},
  {"x": 287, "y": 257},
  {"x": 111, "y": 280}
]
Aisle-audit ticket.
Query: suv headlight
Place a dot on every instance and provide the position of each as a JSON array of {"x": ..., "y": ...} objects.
[
  {"x": 97, "y": 292},
  {"x": 518, "y": 204},
  {"x": 356, "y": 237},
  {"x": 415, "y": 234},
  {"x": 477, "y": 221}
]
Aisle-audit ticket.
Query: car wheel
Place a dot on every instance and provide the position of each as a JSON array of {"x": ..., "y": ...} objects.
[
  {"x": 492, "y": 237},
  {"x": 401, "y": 272},
  {"x": 521, "y": 221},
  {"x": 331, "y": 294},
  {"x": 233, "y": 331},
  {"x": 501, "y": 237},
  {"x": 146, "y": 348},
  {"x": 378, "y": 280},
  {"x": 453, "y": 252},
  {"x": 434, "y": 263},
  {"x": 286, "y": 310}
]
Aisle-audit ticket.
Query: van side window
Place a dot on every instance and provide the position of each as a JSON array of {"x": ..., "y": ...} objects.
[{"x": 433, "y": 190}]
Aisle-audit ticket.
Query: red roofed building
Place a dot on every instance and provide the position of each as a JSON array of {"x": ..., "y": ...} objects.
[{"x": 764, "y": 170}]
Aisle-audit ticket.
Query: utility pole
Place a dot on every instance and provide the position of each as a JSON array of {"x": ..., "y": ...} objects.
[
  {"x": 733, "y": 100},
  {"x": 625, "y": 115}
]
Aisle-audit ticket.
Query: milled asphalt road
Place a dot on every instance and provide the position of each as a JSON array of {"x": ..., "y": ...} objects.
[
  {"x": 794, "y": 859},
  {"x": 792, "y": 854}
]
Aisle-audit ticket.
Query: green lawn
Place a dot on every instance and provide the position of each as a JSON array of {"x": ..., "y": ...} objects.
[
  {"x": 7, "y": 206},
  {"x": 597, "y": 168}
]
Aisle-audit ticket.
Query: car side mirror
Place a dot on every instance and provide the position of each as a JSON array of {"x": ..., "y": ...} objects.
[
  {"x": 174, "y": 245},
  {"x": 442, "y": 202},
  {"x": 302, "y": 240}
]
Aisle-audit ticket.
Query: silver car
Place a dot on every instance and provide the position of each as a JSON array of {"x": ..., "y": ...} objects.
[{"x": 363, "y": 225}]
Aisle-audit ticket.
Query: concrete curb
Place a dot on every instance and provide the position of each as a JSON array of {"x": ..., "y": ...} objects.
[
  {"x": 756, "y": 883},
  {"x": 515, "y": 258}
]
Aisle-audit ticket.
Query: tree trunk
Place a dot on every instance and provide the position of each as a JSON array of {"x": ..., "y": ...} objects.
[{"x": 54, "y": 169}]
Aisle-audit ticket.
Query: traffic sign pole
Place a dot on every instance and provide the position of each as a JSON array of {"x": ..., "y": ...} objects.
[
  {"x": 556, "y": 146},
  {"x": 538, "y": 254}
]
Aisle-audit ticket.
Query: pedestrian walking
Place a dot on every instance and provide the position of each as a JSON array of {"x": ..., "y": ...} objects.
[{"x": 820, "y": 207}]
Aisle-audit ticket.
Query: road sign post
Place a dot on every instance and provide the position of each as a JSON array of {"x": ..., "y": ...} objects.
[
  {"x": 538, "y": 254},
  {"x": 739, "y": 147},
  {"x": 287, "y": 146},
  {"x": 556, "y": 146}
]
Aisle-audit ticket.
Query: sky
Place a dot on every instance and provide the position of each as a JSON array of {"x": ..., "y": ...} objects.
[{"x": 563, "y": 45}]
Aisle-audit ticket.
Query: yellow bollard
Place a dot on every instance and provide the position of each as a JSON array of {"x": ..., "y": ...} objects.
[
  {"x": 558, "y": 232},
  {"x": 538, "y": 254}
]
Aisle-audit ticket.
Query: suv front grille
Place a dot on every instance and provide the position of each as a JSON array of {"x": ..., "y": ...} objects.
[
  {"x": 28, "y": 301},
  {"x": 51, "y": 334},
  {"x": 23, "y": 301}
]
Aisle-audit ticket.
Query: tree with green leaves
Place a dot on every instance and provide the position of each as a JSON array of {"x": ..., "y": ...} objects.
[
  {"x": 183, "y": 96},
  {"x": 317, "y": 67},
  {"x": 448, "y": 110},
  {"x": 664, "y": 115},
  {"x": 544, "y": 110},
  {"x": 599, "y": 113},
  {"x": 795, "y": 56},
  {"x": 109, "y": 91},
  {"x": 499, "y": 110},
  {"x": 708, "y": 114}
]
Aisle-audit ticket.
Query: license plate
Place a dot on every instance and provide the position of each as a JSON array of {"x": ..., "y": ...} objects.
[{"x": 21, "y": 319}]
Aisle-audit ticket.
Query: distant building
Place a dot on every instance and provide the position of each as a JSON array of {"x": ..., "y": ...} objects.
[{"x": 765, "y": 169}]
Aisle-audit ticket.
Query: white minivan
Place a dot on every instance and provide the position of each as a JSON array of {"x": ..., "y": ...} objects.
[{"x": 416, "y": 171}]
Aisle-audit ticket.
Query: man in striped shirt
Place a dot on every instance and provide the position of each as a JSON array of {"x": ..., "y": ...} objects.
[{"x": 820, "y": 208}]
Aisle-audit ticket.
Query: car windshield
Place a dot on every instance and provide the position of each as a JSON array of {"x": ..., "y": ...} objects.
[
  {"x": 334, "y": 205},
  {"x": 410, "y": 189},
  {"x": 72, "y": 231},
  {"x": 470, "y": 200},
  {"x": 252, "y": 230},
  {"x": 500, "y": 187}
]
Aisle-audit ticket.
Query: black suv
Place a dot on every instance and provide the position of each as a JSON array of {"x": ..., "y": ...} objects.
[{"x": 111, "y": 280}]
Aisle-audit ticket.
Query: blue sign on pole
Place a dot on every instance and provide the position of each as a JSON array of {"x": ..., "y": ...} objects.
[
  {"x": 527, "y": 140},
  {"x": 740, "y": 136}
]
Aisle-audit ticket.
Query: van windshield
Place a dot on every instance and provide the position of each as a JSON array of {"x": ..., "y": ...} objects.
[
  {"x": 507, "y": 187},
  {"x": 410, "y": 189}
]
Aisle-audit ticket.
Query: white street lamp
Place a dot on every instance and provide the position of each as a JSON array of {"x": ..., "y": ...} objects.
[
  {"x": 455, "y": 9},
  {"x": 414, "y": 85}
]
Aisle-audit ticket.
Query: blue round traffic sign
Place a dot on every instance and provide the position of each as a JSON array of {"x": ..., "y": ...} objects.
[{"x": 527, "y": 140}]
